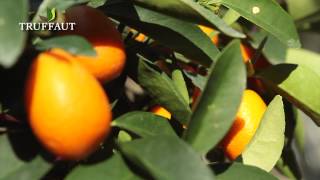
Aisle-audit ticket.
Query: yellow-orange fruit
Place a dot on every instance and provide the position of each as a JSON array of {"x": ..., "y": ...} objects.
[
  {"x": 140, "y": 36},
  {"x": 247, "y": 121},
  {"x": 209, "y": 31},
  {"x": 93, "y": 25},
  {"x": 246, "y": 53},
  {"x": 161, "y": 111},
  {"x": 67, "y": 108}
]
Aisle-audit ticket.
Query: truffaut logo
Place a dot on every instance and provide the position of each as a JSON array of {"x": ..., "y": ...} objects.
[
  {"x": 48, "y": 23},
  {"x": 51, "y": 15}
]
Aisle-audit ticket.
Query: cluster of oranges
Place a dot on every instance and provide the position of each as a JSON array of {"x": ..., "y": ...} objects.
[
  {"x": 249, "y": 114},
  {"x": 67, "y": 107}
]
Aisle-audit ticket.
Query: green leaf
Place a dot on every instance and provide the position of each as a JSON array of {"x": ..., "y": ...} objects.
[
  {"x": 123, "y": 136},
  {"x": 304, "y": 57},
  {"x": 166, "y": 157},
  {"x": 198, "y": 80},
  {"x": 190, "y": 11},
  {"x": 96, "y": 3},
  {"x": 183, "y": 37},
  {"x": 59, "y": 5},
  {"x": 301, "y": 9},
  {"x": 299, "y": 132},
  {"x": 113, "y": 168},
  {"x": 289, "y": 81},
  {"x": 265, "y": 148},
  {"x": 270, "y": 16},
  {"x": 276, "y": 52},
  {"x": 12, "y": 38},
  {"x": 240, "y": 171},
  {"x": 164, "y": 91},
  {"x": 71, "y": 43},
  {"x": 231, "y": 16},
  {"x": 285, "y": 169},
  {"x": 13, "y": 168},
  {"x": 224, "y": 89},
  {"x": 180, "y": 83},
  {"x": 144, "y": 124}
]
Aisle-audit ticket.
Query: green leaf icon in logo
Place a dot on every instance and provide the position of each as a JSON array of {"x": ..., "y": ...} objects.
[{"x": 51, "y": 14}]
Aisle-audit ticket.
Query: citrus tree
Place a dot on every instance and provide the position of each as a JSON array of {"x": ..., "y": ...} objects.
[{"x": 145, "y": 89}]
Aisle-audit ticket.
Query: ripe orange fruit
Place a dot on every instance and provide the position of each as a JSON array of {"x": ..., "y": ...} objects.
[
  {"x": 246, "y": 53},
  {"x": 161, "y": 111},
  {"x": 247, "y": 121},
  {"x": 93, "y": 25},
  {"x": 209, "y": 32},
  {"x": 140, "y": 36},
  {"x": 68, "y": 110}
]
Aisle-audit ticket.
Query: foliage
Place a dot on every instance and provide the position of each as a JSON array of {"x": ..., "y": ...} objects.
[{"x": 174, "y": 62}]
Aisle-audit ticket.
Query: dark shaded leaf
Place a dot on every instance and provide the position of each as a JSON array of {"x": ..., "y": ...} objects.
[
  {"x": 240, "y": 171},
  {"x": 71, "y": 43},
  {"x": 13, "y": 168},
  {"x": 190, "y": 11},
  {"x": 166, "y": 157},
  {"x": 183, "y": 37},
  {"x": 144, "y": 124},
  {"x": 113, "y": 168}
]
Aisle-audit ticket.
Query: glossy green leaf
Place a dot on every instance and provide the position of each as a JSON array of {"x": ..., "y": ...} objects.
[
  {"x": 197, "y": 79},
  {"x": 190, "y": 11},
  {"x": 144, "y": 124},
  {"x": 231, "y": 16},
  {"x": 269, "y": 134},
  {"x": 71, "y": 43},
  {"x": 224, "y": 89},
  {"x": 240, "y": 171},
  {"x": 166, "y": 157},
  {"x": 304, "y": 57},
  {"x": 113, "y": 168},
  {"x": 12, "y": 38},
  {"x": 14, "y": 168},
  {"x": 270, "y": 16},
  {"x": 180, "y": 83},
  {"x": 183, "y": 37},
  {"x": 274, "y": 50},
  {"x": 289, "y": 80},
  {"x": 164, "y": 91},
  {"x": 123, "y": 136}
]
